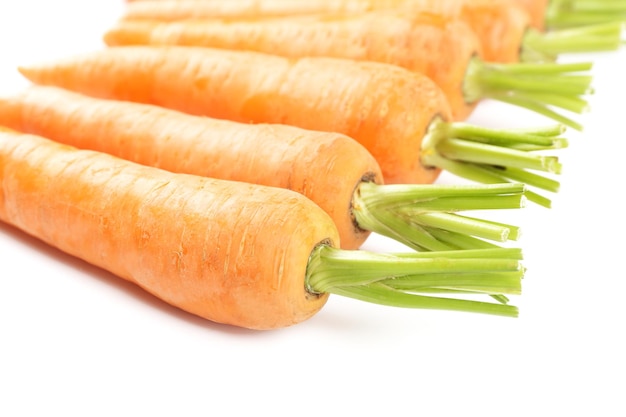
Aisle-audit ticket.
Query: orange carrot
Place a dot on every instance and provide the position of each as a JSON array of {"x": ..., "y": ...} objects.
[
  {"x": 226, "y": 251},
  {"x": 500, "y": 27},
  {"x": 504, "y": 28},
  {"x": 308, "y": 162},
  {"x": 231, "y": 252},
  {"x": 385, "y": 108},
  {"x": 425, "y": 43},
  {"x": 329, "y": 168},
  {"x": 401, "y": 117},
  {"x": 446, "y": 51}
]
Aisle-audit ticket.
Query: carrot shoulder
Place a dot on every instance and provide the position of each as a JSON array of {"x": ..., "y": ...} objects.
[{"x": 231, "y": 252}]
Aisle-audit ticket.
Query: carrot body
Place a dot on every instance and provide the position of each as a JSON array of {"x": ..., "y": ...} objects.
[
  {"x": 499, "y": 24},
  {"x": 386, "y": 108},
  {"x": 437, "y": 47},
  {"x": 325, "y": 167},
  {"x": 227, "y": 251}
]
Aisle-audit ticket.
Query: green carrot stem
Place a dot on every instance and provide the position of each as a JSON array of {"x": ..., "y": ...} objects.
[
  {"x": 540, "y": 108},
  {"x": 543, "y": 68},
  {"x": 470, "y": 282},
  {"x": 575, "y": 13},
  {"x": 458, "y": 241},
  {"x": 428, "y": 197},
  {"x": 493, "y": 175},
  {"x": 547, "y": 46},
  {"x": 526, "y": 177},
  {"x": 467, "y": 225},
  {"x": 399, "y": 279},
  {"x": 612, "y": 6},
  {"x": 539, "y": 199},
  {"x": 544, "y": 136},
  {"x": 536, "y": 87},
  {"x": 481, "y": 153},
  {"x": 409, "y": 213},
  {"x": 578, "y": 20},
  {"x": 558, "y": 143},
  {"x": 493, "y": 253},
  {"x": 495, "y": 156},
  {"x": 563, "y": 84},
  {"x": 381, "y": 294},
  {"x": 569, "y": 103},
  {"x": 502, "y": 299}
]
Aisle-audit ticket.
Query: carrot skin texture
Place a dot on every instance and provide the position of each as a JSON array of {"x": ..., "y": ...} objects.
[
  {"x": 326, "y": 167},
  {"x": 499, "y": 24},
  {"x": 230, "y": 252},
  {"x": 385, "y": 108},
  {"x": 425, "y": 43}
]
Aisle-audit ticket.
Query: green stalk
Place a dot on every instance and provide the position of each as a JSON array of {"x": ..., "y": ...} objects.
[
  {"x": 409, "y": 280},
  {"x": 425, "y": 217},
  {"x": 495, "y": 156},
  {"x": 574, "y": 13},
  {"x": 538, "y": 46},
  {"x": 537, "y": 87}
]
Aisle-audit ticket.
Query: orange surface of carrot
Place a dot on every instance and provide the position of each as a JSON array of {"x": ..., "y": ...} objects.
[
  {"x": 324, "y": 166},
  {"x": 386, "y": 108},
  {"x": 499, "y": 25},
  {"x": 230, "y": 252},
  {"x": 439, "y": 48}
]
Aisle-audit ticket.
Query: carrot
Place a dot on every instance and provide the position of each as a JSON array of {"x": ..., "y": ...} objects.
[
  {"x": 231, "y": 252},
  {"x": 504, "y": 28},
  {"x": 401, "y": 117},
  {"x": 420, "y": 43},
  {"x": 444, "y": 50},
  {"x": 308, "y": 162}
]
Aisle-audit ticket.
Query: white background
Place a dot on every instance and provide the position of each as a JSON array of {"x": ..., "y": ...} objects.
[{"x": 77, "y": 341}]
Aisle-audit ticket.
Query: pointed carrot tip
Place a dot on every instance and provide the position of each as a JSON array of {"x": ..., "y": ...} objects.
[
  {"x": 23, "y": 70},
  {"x": 29, "y": 73}
]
